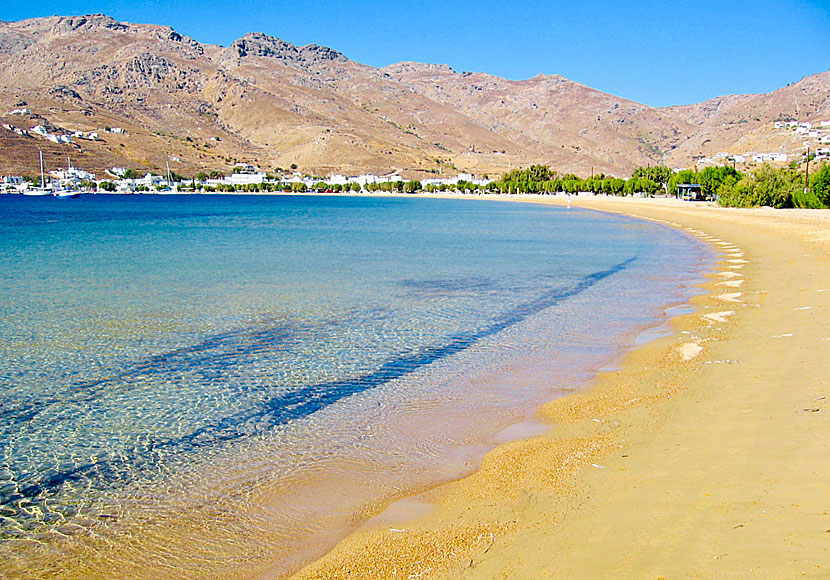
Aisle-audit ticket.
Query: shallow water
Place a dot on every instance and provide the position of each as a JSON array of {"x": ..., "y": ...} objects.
[{"x": 206, "y": 385}]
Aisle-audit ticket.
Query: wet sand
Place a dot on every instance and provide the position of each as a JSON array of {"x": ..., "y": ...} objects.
[{"x": 705, "y": 455}]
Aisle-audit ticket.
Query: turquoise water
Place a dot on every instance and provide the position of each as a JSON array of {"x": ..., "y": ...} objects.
[{"x": 220, "y": 360}]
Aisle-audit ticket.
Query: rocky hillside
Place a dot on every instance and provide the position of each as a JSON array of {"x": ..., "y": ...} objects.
[{"x": 265, "y": 101}]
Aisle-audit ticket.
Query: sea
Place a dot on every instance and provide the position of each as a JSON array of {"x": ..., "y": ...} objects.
[{"x": 203, "y": 386}]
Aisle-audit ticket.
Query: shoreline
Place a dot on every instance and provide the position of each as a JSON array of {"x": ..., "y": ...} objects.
[
  {"x": 180, "y": 532},
  {"x": 641, "y": 474}
]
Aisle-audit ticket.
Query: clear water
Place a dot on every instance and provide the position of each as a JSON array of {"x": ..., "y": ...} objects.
[{"x": 215, "y": 385}]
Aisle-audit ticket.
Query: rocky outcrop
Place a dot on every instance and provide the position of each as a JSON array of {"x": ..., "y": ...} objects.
[{"x": 256, "y": 44}]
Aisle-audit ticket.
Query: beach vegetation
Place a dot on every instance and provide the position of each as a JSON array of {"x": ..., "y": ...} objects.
[
  {"x": 766, "y": 186},
  {"x": 412, "y": 186},
  {"x": 682, "y": 176},
  {"x": 817, "y": 195},
  {"x": 542, "y": 179},
  {"x": 660, "y": 174},
  {"x": 712, "y": 178}
]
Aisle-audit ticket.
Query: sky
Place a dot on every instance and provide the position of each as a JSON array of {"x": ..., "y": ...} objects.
[{"x": 656, "y": 53}]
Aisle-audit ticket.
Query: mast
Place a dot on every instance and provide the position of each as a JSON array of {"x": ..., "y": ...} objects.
[{"x": 42, "y": 179}]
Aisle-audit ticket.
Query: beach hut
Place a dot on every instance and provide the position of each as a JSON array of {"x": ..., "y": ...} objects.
[{"x": 690, "y": 192}]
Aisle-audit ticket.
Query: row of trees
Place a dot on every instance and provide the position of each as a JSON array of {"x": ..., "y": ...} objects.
[
  {"x": 542, "y": 179},
  {"x": 766, "y": 186}
]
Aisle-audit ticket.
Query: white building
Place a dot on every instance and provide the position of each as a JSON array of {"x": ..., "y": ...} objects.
[
  {"x": 72, "y": 174},
  {"x": 337, "y": 180},
  {"x": 254, "y": 178},
  {"x": 149, "y": 181}
]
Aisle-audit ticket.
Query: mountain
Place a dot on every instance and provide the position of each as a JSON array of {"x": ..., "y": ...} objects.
[{"x": 264, "y": 101}]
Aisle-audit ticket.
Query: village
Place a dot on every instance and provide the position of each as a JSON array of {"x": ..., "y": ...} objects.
[
  {"x": 819, "y": 147},
  {"x": 244, "y": 178},
  {"x": 247, "y": 178}
]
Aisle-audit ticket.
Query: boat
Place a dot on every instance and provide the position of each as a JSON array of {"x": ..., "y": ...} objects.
[
  {"x": 37, "y": 192},
  {"x": 42, "y": 190},
  {"x": 66, "y": 193}
]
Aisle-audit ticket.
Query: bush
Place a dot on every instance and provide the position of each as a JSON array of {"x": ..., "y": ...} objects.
[
  {"x": 766, "y": 186},
  {"x": 818, "y": 197}
]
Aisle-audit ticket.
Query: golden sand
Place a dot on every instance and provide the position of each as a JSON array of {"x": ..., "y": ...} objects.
[{"x": 705, "y": 456}]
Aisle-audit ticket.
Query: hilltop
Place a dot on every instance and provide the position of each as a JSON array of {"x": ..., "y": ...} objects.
[{"x": 264, "y": 101}]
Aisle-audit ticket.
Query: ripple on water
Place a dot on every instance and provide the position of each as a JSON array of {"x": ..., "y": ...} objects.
[{"x": 211, "y": 382}]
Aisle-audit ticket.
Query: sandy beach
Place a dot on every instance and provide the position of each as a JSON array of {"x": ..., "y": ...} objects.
[{"x": 703, "y": 456}]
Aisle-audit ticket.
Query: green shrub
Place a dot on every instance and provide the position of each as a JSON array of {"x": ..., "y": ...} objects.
[{"x": 818, "y": 196}]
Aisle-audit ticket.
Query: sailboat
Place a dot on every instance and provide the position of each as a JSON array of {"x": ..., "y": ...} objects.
[{"x": 42, "y": 190}]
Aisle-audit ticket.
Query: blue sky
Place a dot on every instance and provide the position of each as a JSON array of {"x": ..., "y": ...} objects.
[{"x": 657, "y": 53}]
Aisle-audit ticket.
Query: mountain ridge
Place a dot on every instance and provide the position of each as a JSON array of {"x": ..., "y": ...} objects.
[{"x": 265, "y": 101}]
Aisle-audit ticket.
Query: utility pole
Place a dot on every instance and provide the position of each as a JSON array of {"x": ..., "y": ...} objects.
[{"x": 807, "y": 173}]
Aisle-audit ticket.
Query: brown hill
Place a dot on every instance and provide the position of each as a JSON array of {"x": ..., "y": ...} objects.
[{"x": 265, "y": 101}]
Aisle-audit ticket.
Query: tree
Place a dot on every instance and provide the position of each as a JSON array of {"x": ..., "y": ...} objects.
[
  {"x": 683, "y": 176},
  {"x": 711, "y": 178},
  {"x": 766, "y": 186},
  {"x": 538, "y": 173},
  {"x": 106, "y": 186},
  {"x": 818, "y": 195},
  {"x": 659, "y": 174},
  {"x": 412, "y": 186}
]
